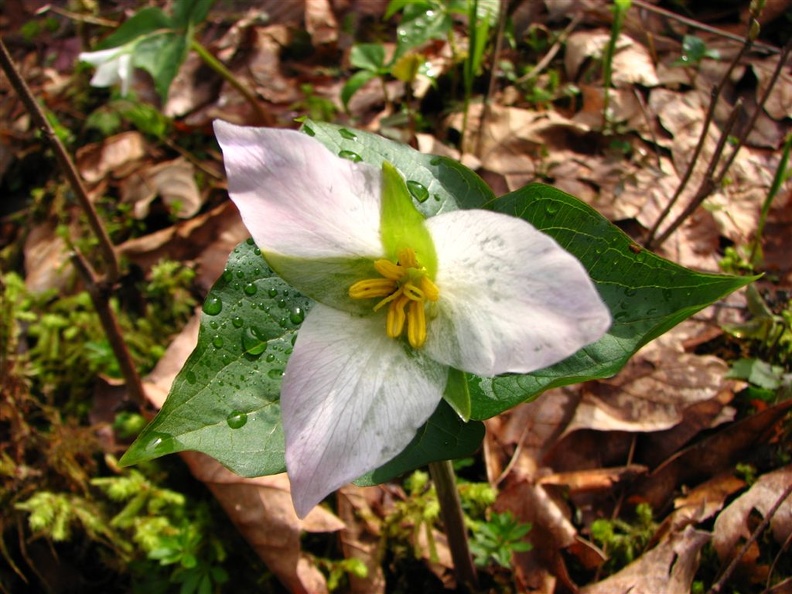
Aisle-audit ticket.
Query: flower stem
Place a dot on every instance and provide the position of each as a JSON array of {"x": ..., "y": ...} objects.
[
  {"x": 454, "y": 521},
  {"x": 219, "y": 68}
]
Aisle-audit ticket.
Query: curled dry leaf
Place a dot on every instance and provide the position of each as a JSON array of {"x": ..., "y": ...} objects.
[
  {"x": 669, "y": 567},
  {"x": 360, "y": 538},
  {"x": 734, "y": 525},
  {"x": 111, "y": 156},
  {"x": 632, "y": 63},
  {"x": 260, "y": 508},
  {"x": 173, "y": 181}
]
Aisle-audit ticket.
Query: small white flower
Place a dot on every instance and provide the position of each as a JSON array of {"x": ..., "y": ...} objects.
[
  {"x": 113, "y": 65},
  {"x": 401, "y": 299}
]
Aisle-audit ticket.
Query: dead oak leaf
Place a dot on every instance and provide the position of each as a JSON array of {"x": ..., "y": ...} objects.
[
  {"x": 111, "y": 156},
  {"x": 669, "y": 567},
  {"x": 172, "y": 181},
  {"x": 733, "y": 525}
]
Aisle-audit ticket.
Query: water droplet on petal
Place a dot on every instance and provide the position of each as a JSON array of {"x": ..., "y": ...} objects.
[
  {"x": 418, "y": 190},
  {"x": 348, "y": 134},
  {"x": 354, "y": 157},
  {"x": 213, "y": 305},
  {"x": 236, "y": 419},
  {"x": 250, "y": 289}
]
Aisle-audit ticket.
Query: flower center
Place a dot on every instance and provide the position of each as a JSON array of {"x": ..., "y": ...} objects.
[{"x": 404, "y": 288}]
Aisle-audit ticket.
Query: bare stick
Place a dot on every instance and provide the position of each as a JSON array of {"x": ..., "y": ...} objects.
[
  {"x": 650, "y": 242},
  {"x": 718, "y": 586},
  {"x": 99, "y": 296},
  {"x": 454, "y": 521},
  {"x": 64, "y": 159}
]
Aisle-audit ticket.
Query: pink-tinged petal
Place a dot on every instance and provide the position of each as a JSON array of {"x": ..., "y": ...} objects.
[
  {"x": 299, "y": 200},
  {"x": 511, "y": 299},
  {"x": 352, "y": 399}
]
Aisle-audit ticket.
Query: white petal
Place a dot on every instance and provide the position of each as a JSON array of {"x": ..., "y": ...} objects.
[
  {"x": 125, "y": 72},
  {"x": 352, "y": 399},
  {"x": 511, "y": 299},
  {"x": 297, "y": 198}
]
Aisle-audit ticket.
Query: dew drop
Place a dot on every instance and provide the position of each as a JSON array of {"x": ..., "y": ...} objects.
[
  {"x": 214, "y": 325},
  {"x": 275, "y": 373},
  {"x": 240, "y": 274},
  {"x": 257, "y": 252},
  {"x": 551, "y": 207},
  {"x": 282, "y": 303},
  {"x": 436, "y": 197},
  {"x": 418, "y": 190},
  {"x": 352, "y": 156},
  {"x": 227, "y": 275},
  {"x": 190, "y": 377},
  {"x": 270, "y": 358},
  {"x": 238, "y": 322},
  {"x": 630, "y": 291},
  {"x": 236, "y": 419},
  {"x": 348, "y": 134},
  {"x": 272, "y": 293},
  {"x": 226, "y": 359},
  {"x": 250, "y": 241},
  {"x": 283, "y": 323},
  {"x": 253, "y": 342},
  {"x": 621, "y": 316},
  {"x": 435, "y": 161},
  {"x": 250, "y": 289},
  {"x": 297, "y": 315},
  {"x": 213, "y": 305},
  {"x": 308, "y": 130},
  {"x": 217, "y": 341},
  {"x": 159, "y": 444}
]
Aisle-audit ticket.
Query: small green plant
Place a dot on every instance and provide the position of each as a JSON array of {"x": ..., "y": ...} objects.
[
  {"x": 338, "y": 570},
  {"x": 495, "y": 540},
  {"x": 694, "y": 50},
  {"x": 624, "y": 541}
]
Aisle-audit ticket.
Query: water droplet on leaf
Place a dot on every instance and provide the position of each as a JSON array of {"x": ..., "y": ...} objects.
[
  {"x": 250, "y": 289},
  {"x": 552, "y": 207},
  {"x": 630, "y": 291},
  {"x": 253, "y": 341},
  {"x": 418, "y": 190},
  {"x": 270, "y": 358},
  {"x": 190, "y": 377},
  {"x": 348, "y": 134},
  {"x": 272, "y": 292},
  {"x": 213, "y": 305},
  {"x": 217, "y": 342},
  {"x": 238, "y": 322},
  {"x": 297, "y": 315},
  {"x": 354, "y": 157},
  {"x": 236, "y": 419},
  {"x": 308, "y": 130},
  {"x": 275, "y": 373}
]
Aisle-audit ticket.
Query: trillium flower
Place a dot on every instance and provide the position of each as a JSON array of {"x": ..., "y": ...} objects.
[
  {"x": 113, "y": 65},
  {"x": 401, "y": 300}
]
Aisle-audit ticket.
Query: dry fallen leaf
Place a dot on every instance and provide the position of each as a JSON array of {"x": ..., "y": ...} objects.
[
  {"x": 111, "y": 156},
  {"x": 669, "y": 567},
  {"x": 173, "y": 181},
  {"x": 734, "y": 525},
  {"x": 360, "y": 538}
]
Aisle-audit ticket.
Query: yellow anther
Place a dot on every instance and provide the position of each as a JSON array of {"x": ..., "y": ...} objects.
[
  {"x": 404, "y": 288},
  {"x": 396, "y": 316},
  {"x": 430, "y": 290},
  {"x": 416, "y": 324},
  {"x": 389, "y": 270},
  {"x": 373, "y": 287}
]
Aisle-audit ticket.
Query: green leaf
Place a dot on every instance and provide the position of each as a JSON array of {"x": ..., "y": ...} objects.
[
  {"x": 144, "y": 22},
  {"x": 354, "y": 83},
  {"x": 161, "y": 56},
  {"x": 368, "y": 56},
  {"x": 225, "y": 402},
  {"x": 190, "y": 12},
  {"x": 646, "y": 295}
]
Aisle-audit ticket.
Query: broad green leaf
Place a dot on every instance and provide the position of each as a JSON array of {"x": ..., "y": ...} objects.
[
  {"x": 353, "y": 84},
  {"x": 368, "y": 56},
  {"x": 225, "y": 402},
  {"x": 646, "y": 294},
  {"x": 190, "y": 12},
  {"x": 161, "y": 56},
  {"x": 144, "y": 22}
]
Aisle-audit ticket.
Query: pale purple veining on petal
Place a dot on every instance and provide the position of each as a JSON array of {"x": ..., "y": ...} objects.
[
  {"x": 511, "y": 299},
  {"x": 297, "y": 198},
  {"x": 352, "y": 399}
]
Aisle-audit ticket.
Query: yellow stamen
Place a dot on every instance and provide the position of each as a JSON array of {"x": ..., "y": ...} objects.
[{"x": 404, "y": 288}]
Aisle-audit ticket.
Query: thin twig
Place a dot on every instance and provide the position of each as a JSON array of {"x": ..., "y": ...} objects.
[
  {"x": 708, "y": 183},
  {"x": 64, "y": 159},
  {"x": 650, "y": 242},
  {"x": 717, "y": 586},
  {"x": 98, "y": 292},
  {"x": 454, "y": 521},
  {"x": 702, "y": 26}
]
